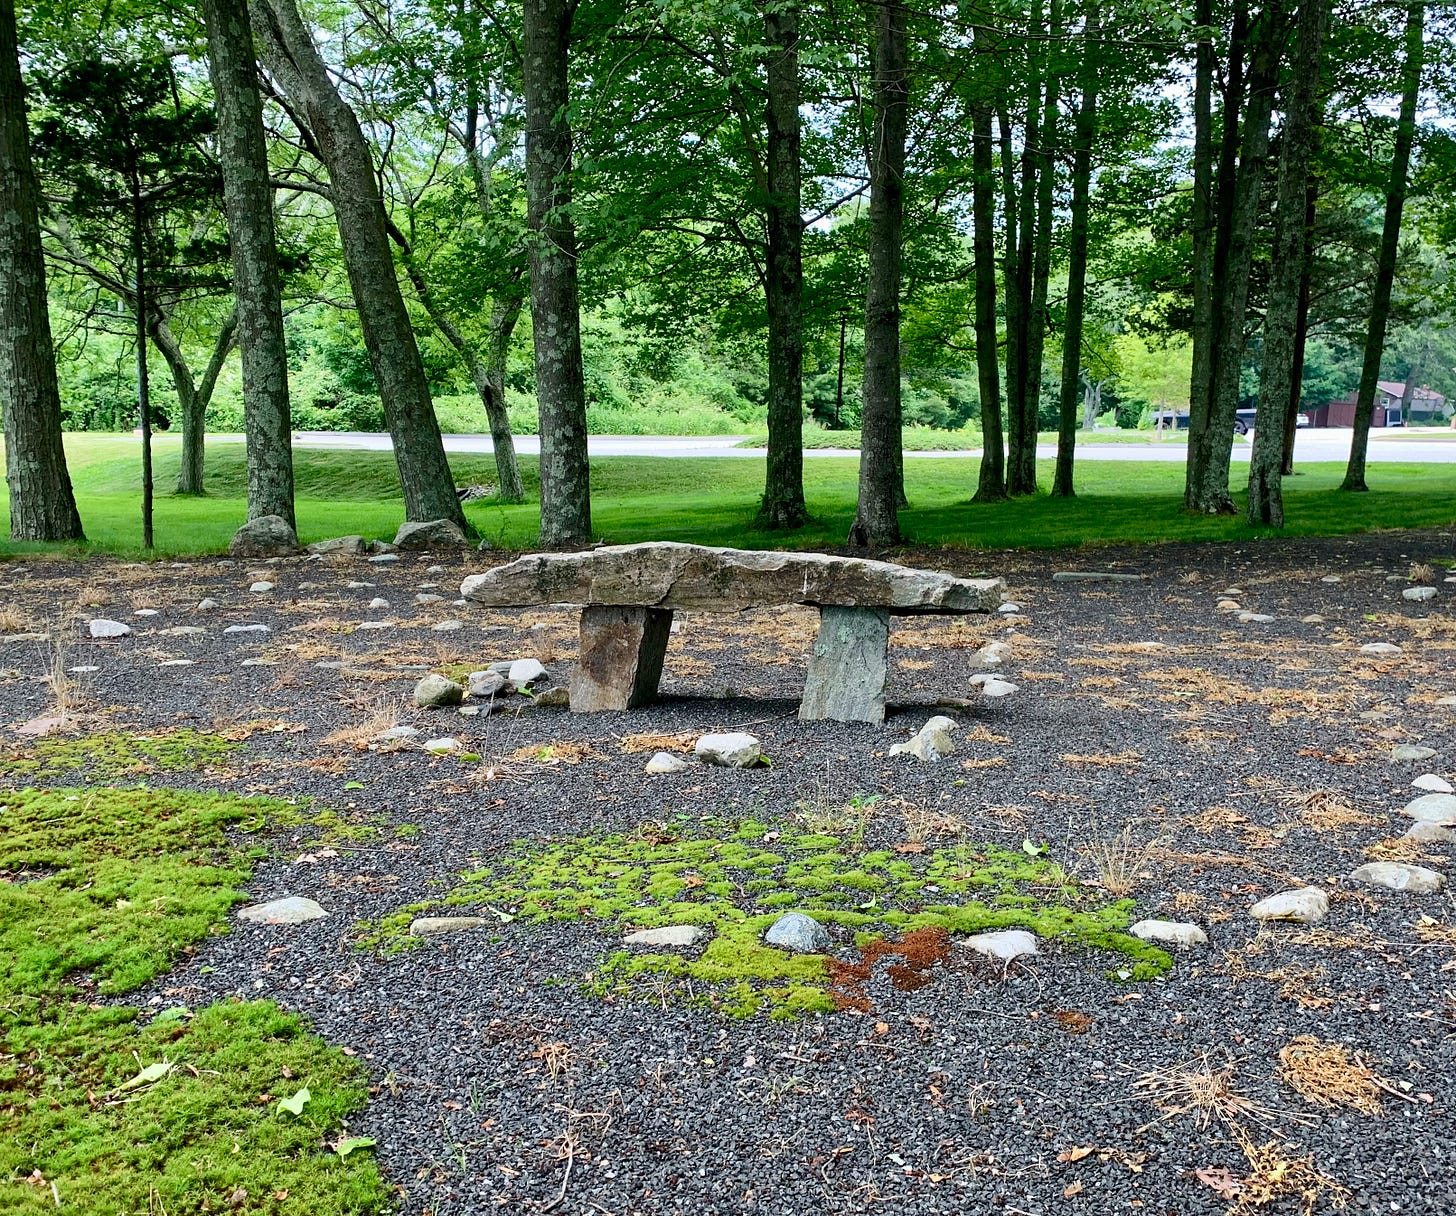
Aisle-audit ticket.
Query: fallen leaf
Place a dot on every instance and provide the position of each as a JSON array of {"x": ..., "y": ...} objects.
[
  {"x": 294, "y": 1105},
  {"x": 1219, "y": 1179},
  {"x": 1075, "y": 1189}
]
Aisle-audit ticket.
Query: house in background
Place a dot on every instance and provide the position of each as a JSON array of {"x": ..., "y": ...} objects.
[{"x": 1427, "y": 407}]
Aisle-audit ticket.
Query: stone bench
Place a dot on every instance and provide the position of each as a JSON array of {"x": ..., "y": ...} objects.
[{"x": 628, "y": 594}]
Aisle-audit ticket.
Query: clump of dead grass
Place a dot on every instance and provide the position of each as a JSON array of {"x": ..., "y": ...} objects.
[
  {"x": 683, "y": 742},
  {"x": 1326, "y": 810},
  {"x": 923, "y": 824},
  {"x": 1122, "y": 759},
  {"x": 13, "y": 620},
  {"x": 1206, "y": 1092},
  {"x": 1421, "y": 572},
  {"x": 376, "y": 715},
  {"x": 1120, "y": 862},
  {"x": 1326, "y": 1074}
]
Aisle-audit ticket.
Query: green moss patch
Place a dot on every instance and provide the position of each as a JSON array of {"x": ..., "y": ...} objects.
[
  {"x": 737, "y": 881},
  {"x": 106, "y": 1112},
  {"x": 119, "y": 755}
]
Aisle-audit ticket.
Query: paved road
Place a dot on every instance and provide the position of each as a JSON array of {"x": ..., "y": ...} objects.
[{"x": 1311, "y": 445}]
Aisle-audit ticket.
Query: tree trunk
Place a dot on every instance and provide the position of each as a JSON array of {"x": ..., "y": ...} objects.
[
  {"x": 193, "y": 398},
  {"x": 42, "y": 504},
  {"x": 877, "y": 520},
  {"x": 292, "y": 58},
  {"x": 1405, "y": 134},
  {"x": 1278, "y": 376},
  {"x": 992, "y": 482},
  {"x": 257, "y": 287},
  {"x": 1020, "y": 415},
  {"x": 1041, "y": 257},
  {"x": 783, "y": 495},
  {"x": 1301, "y": 327},
  {"x": 555, "y": 303},
  {"x": 1210, "y": 493},
  {"x": 1084, "y": 130},
  {"x": 1011, "y": 261},
  {"x": 144, "y": 392}
]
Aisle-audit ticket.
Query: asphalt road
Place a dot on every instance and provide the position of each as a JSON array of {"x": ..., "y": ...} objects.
[{"x": 1436, "y": 447}]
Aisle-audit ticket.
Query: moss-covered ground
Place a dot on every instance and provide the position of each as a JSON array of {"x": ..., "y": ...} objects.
[
  {"x": 117, "y": 755},
  {"x": 117, "y": 1111},
  {"x": 736, "y": 880}
]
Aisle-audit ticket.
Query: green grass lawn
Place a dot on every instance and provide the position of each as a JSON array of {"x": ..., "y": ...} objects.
[
  {"x": 713, "y": 500},
  {"x": 929, "y": 439}
]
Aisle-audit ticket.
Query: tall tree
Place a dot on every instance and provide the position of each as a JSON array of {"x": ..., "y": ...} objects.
[
  {"x": 42, "y": 504},
  {"x": 1280, "y": 368},
  {"x": 877, "y": 520},
  {"x": 332, "y": 128},
  {"x": 991, "y": 484},
  {"x": 783, "y": 503},
  {"x": 1084, "y": 132},
  {"x": 1021, "y": 420},
  {"x": 248, "y": 197},
  {"x": 1395, "y": 191},
  {"x": 555, "y": 301}
]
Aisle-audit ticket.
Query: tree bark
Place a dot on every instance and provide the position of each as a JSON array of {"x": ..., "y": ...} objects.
[
  {"x": 192, "y": 397},
  {"x": 555, "y": 302},
  {"x": 1011, "y": 262},
  {"x": 1084, "y": 131},
  {"x": 257, "y": 284},
  {"x": 1405, "y": 133},
  {"x": 1210, "y": 492},
  {"x": 1301, "y": 326},
  {"x": 144, "y": 392},
  {"x": 877, "y": 519},
  {"x": 42, "y": 503},
  {"x": 1020, "y": 418},
  {"x": 992, "y": 482},
  {"x": 292, "y": 58},
  {"x": 783, "y": 495},
  {"x": 1278, "y": 375}
]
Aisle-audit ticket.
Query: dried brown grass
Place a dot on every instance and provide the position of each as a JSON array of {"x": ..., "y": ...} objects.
[{"x": 1328, "y": 1075}]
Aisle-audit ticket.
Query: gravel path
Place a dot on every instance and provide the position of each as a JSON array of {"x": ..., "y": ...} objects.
[{"x": 502, "y": 1086}]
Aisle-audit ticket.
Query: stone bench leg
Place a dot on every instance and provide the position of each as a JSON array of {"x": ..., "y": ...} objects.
[
  {"x": 620, "y": 663},
  {"x": 848, "y": 666}
]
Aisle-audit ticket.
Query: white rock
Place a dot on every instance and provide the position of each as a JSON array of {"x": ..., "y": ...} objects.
[
  {"x": 447, "y": 626},
  {"x": 1410, "y": 751},
  {"x": 1255, "y": 618},
  {"x": 293, "y": 910},
  {"x": 1227, "y": 606},
  {"x": 1308, "y": 905},
  {"x": 668, "y": 935},
  {"x": 998, "y": 688},
  {"x": 378, "y": 602},
  {"x": 1313, "y": 618},
  {"x": 1446, "y": 701},
  {"x": 434, "y": 569},
  {"x": 1418, "y": 594},
  {"x": 103, "y": 628},
  {"x": 375, "y": 625},
  {"x": 931, "y": 743},
  {"x": 1174, "y": 933},
  {"x": 1430, "y": 833},
  {"x": 261, "y": 586},
  {"x": 146, "y": 612},
  {"x": 1009, "y": 608},
  {"x": 525, "y": 671},
  {"x": 183, "y": 631},
  {"x": 733, "y": 749},
  {"x": 355, "y": 585},
  {"x": 435, "y": 926},
  {"x": 1380, "y": 648},
  {"x": 442, "y": 746},
  {"x": 426, "y": 598},
  {"x": 1396, "y": 876},
  {"x": 1433, "y": 784},
  {"x": 396, "y": 732},
  {"x": 206, "y": 605},
  {"x": 82, "y": 670},
  {"x": 178, "y": 663},
  {"x": 665, "y": 762},
  {"x": 1007, "y": 945},
  {"x": 1331, "y": 578},
  {"x": 992, "y": 654},
  {"x": 247, "y": 629},
  {"x": 1439, "y": 809},
  {"x": 383, "y": 559}
]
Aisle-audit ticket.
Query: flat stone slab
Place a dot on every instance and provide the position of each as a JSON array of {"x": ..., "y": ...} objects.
[
  {"x": 668, "y": 935},
  {"x": 734, "y": 749},
  {"x": 293, "y": 910},
  {"x": 1396, "y": 876},
  {"x": 437, "y": 926},
  {"x": 1439, "y": 809},
  {"x": 1307, "y": 905},
  {"x": 1007, "y": 945},
  {"x": 1096, "y": 576},
  {"x": 1171, "y": 932},
  {"x": 665, "y": 574}
]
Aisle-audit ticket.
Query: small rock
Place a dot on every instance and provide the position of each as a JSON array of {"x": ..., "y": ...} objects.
[
  {"x": 1308, "y": 905},
  {"x": 356, "y": 585},
  {"x": 485, "y": 684},
  {"x": 1255, "y": 618},
  {"x": 1007, "y": 945},
  {"x": 442, "y": 746},
  {"x": 383, "y": 559},
  {"x": 1313, "y": 618},
  {"x": 1009, "y": 608},
  {"x": 668, "y": 935},
  {"x": 82, "y": 670},
  {"x": 991, "y": 686},
  {"x": 733, "y": 749},
  {"x": 38, "y": 728},
  {"x": 1095, "y": 576},
  {"x": 1430, "y": 833},
  {"x": 207, "y": 605},
  {"x": 182, "y": 631},
  {"x": 261, "y": 586},
  {"x": 1331, "y": 578},
  {"x": 425, "y": 598},
  {"x": 553, "y": 698},
  {"x": 931, "y": 743},
  {"x": 355, "y": 545},
  {"x": 178, "y": 663},
  {"x": 434, "y": 569},
  {"x": 433, "y": 534},
  {"x": 1380, "y": 648},
  {"x": 435, "y": 926},
  {"x": 1418, "y": 594},
  {"x": 1446, "y": 701},
  {"x": 800, "y": 933},
  {"x": 395, "y": 733},
  {"x": 992, "y": 654},
  {"x": 1433, "y": 784},
  {"x": 1175, "y": 933},
  {"x": 1227, "y": 606},
  {"x": 146, "y": 612},
  {"x": 1410, "y": 751},
  {"x": 447, "y": 626},
  {"x": 1397, "y": 876},
  {"x": 375, "y": 625},
  {"x": 293, "y": 910},
  {"x": 524, "y": 672},
  {"x": 665, "y": 762},
  {"x": 1439, "y": 809},
  {"x": 378, "y": 603},
  {"x": 436, "y": 690},
  {"x": 266, "y": 536},
  {"x": 103, "y": 628}
]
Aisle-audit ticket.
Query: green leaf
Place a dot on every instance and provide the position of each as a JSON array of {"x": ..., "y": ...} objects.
[
  {"x": 1033, "y": 848},
  {"x": 345, "y": 1147},
  {"x": 178, "y": 1013},
  {"x": 294, "y": 1105},
  {"x": 149, "y": 1075},
  {"x": 353, "y": 785}
]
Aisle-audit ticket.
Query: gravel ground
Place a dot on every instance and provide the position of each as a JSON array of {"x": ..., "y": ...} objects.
[{"x": 500, "y": 1085}]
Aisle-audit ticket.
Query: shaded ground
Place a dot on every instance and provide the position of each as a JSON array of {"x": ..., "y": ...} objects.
[{"x": 1247, "y": 758}]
